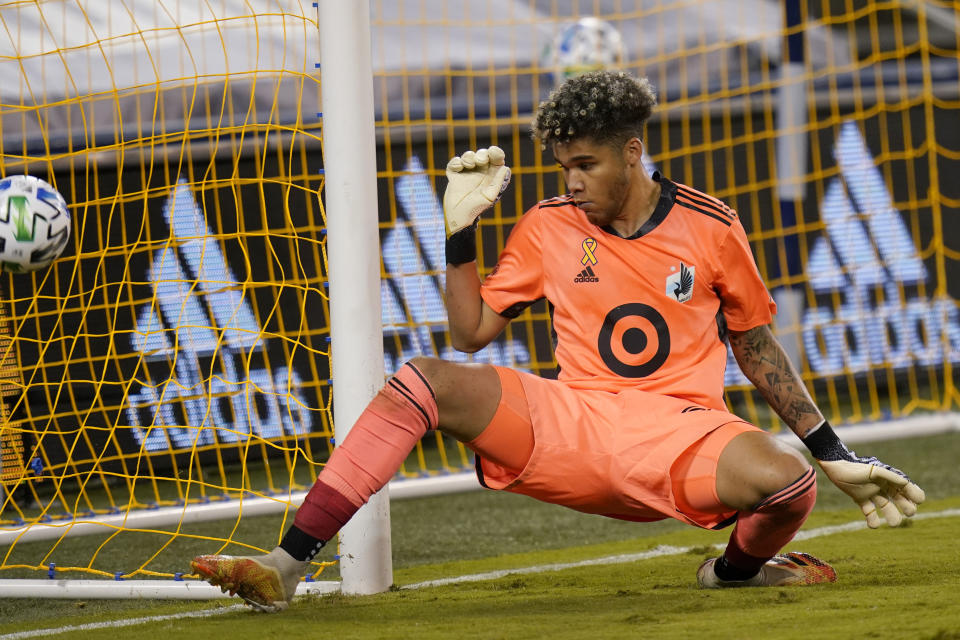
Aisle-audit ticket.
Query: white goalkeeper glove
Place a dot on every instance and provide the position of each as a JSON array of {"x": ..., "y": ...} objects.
[
  {"x": 475, "y": 180},
  {"x": 877, "y": 487}
]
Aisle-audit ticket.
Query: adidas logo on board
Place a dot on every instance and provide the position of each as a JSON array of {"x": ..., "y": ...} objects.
[
  {"x": 869, "y": 263},
  {"x": 202, "y": 320}
]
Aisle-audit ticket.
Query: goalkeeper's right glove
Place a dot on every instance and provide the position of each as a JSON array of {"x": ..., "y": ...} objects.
[
  {"x": 475, "y": 181},
  {"x": 873, "y": 485}
]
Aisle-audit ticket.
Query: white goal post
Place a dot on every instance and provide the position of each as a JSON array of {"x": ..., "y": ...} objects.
[{"x": 353, "y": 255}]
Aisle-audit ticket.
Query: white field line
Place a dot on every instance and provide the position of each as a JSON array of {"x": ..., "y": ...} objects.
[
  {"x": 656, "y": 552},
  {"x": 115, "y": 624}
]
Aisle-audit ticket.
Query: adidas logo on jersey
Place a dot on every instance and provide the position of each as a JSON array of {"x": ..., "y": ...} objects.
[{"x": 587, "y": 275}]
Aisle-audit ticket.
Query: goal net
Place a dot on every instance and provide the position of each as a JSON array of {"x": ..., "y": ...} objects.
[{"x": 169, "y": 378}]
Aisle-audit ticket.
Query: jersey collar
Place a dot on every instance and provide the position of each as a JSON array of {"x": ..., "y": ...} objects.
[{"x": 668, "y": 193}]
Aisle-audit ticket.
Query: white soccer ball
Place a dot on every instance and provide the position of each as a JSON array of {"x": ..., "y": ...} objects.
[
  {"x": 585, "y": 45},
  {"x": 34, "y": 223}
]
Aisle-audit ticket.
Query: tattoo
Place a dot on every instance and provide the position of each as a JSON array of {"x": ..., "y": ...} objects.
[{"x": 763, "y": 361}]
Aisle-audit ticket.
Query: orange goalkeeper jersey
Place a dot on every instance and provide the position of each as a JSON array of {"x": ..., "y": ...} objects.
[{"x": 643, "y": 312}]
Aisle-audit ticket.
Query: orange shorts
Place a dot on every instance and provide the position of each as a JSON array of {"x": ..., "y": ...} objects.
[{"x": 631, "y": 455}]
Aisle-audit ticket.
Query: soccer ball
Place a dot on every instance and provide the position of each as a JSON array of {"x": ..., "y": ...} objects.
[
  {"x": 585, "y": 45},
  {"x": 34, "y": 224}
]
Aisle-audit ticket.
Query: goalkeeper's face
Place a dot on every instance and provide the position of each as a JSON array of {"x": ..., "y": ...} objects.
[{"x": 598, "y": 176}]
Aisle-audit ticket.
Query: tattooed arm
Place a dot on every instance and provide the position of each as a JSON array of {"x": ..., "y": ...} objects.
[
  {"x": 766, "y": 365},
  {"x": 879, "y": 489}
]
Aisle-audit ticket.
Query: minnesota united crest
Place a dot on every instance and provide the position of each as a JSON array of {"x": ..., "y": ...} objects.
[{"x": 680, "y": 283}]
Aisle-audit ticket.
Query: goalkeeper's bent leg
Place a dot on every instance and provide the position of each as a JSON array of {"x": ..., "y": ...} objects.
[
  {"x": 382, "y": 438},
  {"x": 763, "y": 530},
  {"x": 384, "y": 435}
]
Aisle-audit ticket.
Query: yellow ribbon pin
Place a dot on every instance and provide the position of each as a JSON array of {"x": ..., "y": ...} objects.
[{"x": 589, "y": 244}]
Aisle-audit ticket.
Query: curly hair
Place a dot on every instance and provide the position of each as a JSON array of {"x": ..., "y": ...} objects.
[{"x": 609, "y": 107}]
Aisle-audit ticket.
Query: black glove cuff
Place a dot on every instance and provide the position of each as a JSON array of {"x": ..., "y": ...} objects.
[
  {"x": 825, "y": 445},
  {"x": 462, "y": 245}
]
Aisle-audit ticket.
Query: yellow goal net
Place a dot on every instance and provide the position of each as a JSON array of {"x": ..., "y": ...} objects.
[{"x": 176, "y": 356}]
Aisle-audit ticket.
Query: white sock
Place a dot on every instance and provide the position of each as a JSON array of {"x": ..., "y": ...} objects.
[
  {"x": 291, "y": 569},
  {"x": 285, "y": 563}
]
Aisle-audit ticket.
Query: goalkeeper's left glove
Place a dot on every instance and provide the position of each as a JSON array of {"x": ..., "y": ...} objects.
[
  {"x": 873, "y": 485},
  {"x": 475, "y": 181}
]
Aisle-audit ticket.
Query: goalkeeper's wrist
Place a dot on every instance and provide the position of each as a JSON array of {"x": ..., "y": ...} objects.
[
  {"x": 824, "y": 444},
  {"x": 462, "y": 245}
]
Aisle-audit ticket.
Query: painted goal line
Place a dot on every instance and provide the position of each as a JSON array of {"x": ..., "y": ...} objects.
[
  {"x": 115, "y": 624},
  {"x": 656, "y": 552}
]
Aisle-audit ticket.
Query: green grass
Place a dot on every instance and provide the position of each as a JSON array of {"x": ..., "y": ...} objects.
[
  {"x": 894, "y": 583},
  {"x": 659, "y": 598}
]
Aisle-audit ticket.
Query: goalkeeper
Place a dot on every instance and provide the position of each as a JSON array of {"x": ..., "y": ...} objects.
[{"x": 648, "y": 280}]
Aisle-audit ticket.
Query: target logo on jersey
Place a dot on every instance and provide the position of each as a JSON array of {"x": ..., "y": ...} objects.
[{"x": 634, "y": 340}]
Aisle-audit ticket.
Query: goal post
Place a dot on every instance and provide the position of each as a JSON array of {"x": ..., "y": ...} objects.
[{"x": 353, "y": 253}]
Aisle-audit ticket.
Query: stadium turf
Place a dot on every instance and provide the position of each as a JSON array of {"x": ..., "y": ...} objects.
[{"x": 893, "y": 583}]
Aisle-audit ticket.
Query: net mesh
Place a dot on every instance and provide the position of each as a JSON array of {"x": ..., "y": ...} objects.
[{"x": 178, "y": 353}]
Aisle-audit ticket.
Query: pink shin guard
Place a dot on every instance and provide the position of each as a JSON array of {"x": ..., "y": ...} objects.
[
  {"x": 763, "y": 531},
  {"x": 384, "y": 435}
]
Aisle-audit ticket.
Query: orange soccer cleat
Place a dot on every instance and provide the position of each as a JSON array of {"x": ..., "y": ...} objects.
[
  {"x": 259, "y": 584},
  {"x": 792, "y": 568}
]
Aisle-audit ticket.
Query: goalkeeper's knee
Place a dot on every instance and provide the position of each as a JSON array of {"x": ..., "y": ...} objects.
[
  {"x": 770, "y": 524},
  {"x": 796, "y": 499}
]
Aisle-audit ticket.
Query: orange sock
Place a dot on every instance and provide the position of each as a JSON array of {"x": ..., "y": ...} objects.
[
  {"x": 384, "y": 435},
  {"x": 764, "y": 530}
]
